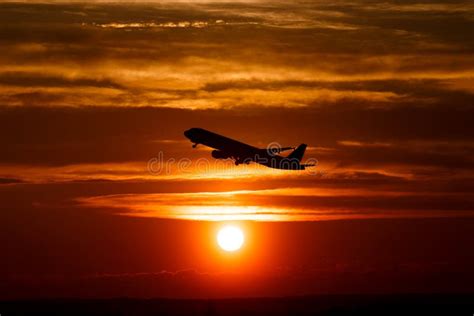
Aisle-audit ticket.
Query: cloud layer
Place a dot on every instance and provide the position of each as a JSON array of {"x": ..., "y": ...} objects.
[{"x": 221, "y": 55}]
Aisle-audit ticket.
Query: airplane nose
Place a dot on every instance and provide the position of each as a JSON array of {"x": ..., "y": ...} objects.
[{"x": 187, "y": 133}]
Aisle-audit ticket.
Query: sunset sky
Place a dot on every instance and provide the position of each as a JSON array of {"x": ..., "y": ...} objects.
[{"x": 102, "y": 195}]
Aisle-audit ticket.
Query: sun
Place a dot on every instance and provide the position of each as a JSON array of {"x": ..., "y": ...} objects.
[{"x": 230, "y": 238}]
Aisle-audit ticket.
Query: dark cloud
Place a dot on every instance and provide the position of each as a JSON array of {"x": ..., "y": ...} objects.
[
  {"x": 23, "y": 79},
  {"x": 318, "y": 279},
  {"x": 9, "y": 180}
]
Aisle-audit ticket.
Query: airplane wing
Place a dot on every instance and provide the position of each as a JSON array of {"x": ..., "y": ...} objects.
[{"x": 226, "y": 146}]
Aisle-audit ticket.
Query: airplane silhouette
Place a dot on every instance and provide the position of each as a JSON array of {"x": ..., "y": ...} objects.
[{"x": 243, "y": 153}]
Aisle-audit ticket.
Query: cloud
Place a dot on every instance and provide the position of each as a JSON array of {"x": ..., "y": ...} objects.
[
  {"x": 113, "y": 55},
  {"x": 39, "y": 79},
  {"x": 9, "y": 180},
  {"x": 332, "y": 278},
  {"x": 285, "y": 205}
]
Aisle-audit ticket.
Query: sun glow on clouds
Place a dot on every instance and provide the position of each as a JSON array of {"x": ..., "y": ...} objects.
[
  {"x": 296, "y": 204},
  {"x": 181, "y": 24},
  {"x": 139, "y": 171}
]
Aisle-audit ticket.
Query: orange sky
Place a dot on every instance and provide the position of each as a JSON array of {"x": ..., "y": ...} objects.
[{"x": 101, "y": 191}]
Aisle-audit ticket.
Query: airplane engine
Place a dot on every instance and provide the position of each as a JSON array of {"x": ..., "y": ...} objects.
[{"x": 219, "y": 154}]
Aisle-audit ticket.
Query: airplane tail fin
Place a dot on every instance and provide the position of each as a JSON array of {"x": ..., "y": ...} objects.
[{"x": 298, "y": 152}]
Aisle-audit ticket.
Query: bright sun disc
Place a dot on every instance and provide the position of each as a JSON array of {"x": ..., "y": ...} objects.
[{"x": 230, "y": 238}]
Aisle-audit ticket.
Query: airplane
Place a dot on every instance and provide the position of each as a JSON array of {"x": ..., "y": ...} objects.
[{"x": 225, "y": 148}]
